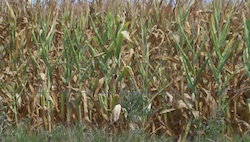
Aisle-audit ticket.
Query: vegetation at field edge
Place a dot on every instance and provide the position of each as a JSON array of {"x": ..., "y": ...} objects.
[{"x": 161, "y": 70}]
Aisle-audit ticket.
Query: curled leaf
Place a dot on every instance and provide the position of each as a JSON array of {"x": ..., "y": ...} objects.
[
  {"x": 12, "y": 14},
  {"x": 99, "y": 85},
  {"x": 167, "y": 110},
  {"x": 182, "y": 105},
  {"x": 43, "y": 76},
  {"x": 18, "y": 100},
  {"x": 126, "y": 35}
]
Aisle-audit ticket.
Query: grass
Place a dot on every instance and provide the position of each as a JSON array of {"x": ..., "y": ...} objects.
[
  {"x": 79, "y": 133},
  {"x": 75, "y": 133},
  {"x": 150, "y": 71}
]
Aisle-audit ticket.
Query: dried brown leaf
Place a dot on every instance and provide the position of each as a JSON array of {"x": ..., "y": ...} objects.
[
  {"x": 12, "y": 14},
  {"x": 167, "y": 110},
  {"x": 43, "y": 76},
  {"x": 99, "y": 85}
]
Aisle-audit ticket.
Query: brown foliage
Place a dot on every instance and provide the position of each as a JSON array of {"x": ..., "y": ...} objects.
[{"x": 32, "y": 89}]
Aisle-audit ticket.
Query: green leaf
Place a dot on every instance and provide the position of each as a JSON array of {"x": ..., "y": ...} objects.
[
  {"x": 100, "y": 41},
  {"x": 200, "y": 71},
  {"x": 190, "y": 66},
  {"x": 197, "y": 55},
  {"x": 216, "y": 73},
  {"x": 185, "y": 36},
  {"x": 227, "y": 53},
  {"x": 226, "y": 28}
]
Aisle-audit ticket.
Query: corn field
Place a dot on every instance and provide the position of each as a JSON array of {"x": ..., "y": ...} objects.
[{"x": 169, "y": 68}]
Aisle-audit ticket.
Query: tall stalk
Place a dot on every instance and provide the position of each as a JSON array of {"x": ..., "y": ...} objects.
[{"x": 222, "y": 47}]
